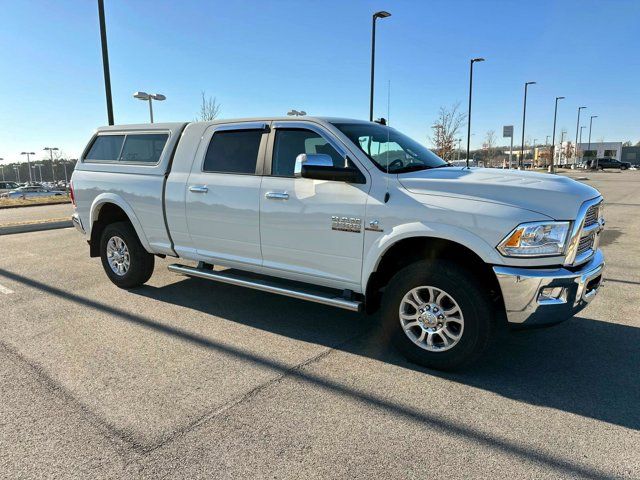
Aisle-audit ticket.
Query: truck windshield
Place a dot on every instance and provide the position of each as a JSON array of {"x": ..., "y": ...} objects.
[{"x": 389, "y": 149}]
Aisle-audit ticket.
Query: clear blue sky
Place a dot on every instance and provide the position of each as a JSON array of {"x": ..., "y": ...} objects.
[{"x": 265, "y": 57}]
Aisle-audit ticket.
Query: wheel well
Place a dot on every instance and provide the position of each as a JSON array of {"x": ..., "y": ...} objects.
[
  {"x": 410, "y": 250},
  {"x": 109, "y": 213}
]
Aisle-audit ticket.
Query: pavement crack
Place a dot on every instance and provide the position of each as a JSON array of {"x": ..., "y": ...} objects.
[
  {"x": 123, "y": 442},
  {"x": 250, "y": 394}
]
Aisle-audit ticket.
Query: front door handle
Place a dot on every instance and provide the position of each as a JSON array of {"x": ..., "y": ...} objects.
[
  {"x": 277, "y": 195},
  {"x": 198, "y": 188}
]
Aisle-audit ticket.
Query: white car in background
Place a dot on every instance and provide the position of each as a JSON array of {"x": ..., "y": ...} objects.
[{"x": 32, "y": 191}]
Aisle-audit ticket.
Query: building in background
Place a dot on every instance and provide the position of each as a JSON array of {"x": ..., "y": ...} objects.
[
  {"x": 600, "y": 150},
  {"x": 631, "y": 155}
]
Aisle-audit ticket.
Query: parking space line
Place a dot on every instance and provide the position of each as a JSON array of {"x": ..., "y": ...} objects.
[{"x": 5, "y": 290}]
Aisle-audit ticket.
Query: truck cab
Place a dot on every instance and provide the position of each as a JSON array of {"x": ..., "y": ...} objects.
[{"x": 348, "y": 213}]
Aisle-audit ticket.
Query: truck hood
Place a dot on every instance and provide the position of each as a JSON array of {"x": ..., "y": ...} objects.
[{"x": 556, "y": 196}]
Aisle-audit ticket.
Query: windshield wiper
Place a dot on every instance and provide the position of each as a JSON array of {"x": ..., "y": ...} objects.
[{"x": 445, "y": 165}]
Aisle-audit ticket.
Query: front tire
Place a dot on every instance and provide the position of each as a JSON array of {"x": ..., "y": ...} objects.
[
  {"x": 124, "y": 259},
  {"x": 438, "y": 315}
]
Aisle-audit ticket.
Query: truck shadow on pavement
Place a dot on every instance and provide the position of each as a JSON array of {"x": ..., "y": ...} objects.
[{"x": 586, "y": 367}]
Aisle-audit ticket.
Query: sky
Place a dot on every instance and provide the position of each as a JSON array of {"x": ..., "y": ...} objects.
[{"x": 262, "y": 58}]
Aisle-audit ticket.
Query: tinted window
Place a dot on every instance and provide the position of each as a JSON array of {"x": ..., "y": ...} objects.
[
  {"x": 233, "y": 151},
  {"x": 291, "y": 143},
  {"x": 144, "y": 148},
  {"x": 106, "y": 147}
]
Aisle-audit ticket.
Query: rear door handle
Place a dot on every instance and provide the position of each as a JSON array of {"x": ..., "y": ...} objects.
[
  {"x": 198, "y": 188},
  {"x": 277, "y": 195}
]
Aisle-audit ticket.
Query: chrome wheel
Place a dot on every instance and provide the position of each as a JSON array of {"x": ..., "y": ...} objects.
[
  {"x": 118, "y": 256},
  {"x": 431, "y": 318}
]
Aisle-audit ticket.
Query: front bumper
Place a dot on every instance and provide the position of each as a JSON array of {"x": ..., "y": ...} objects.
[{"x": 546, "y": 296}]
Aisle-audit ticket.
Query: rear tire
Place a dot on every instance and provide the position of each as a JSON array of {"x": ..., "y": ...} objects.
[
  {"x": 454, "y": 314},
  {"x": 124, "y": 259}
]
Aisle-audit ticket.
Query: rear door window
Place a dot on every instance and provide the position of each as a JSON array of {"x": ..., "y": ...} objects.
[
  {"x": 106, "y": 148},
  {"x": 233, "y": 151},
  {"x": 143, "y": 148}
]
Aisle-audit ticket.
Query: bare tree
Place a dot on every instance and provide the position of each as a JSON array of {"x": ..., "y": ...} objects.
[
  {"x": 445, "y": 130},
  {"x": 209, "y": 108},
  {"x": 490, "y": 146}
]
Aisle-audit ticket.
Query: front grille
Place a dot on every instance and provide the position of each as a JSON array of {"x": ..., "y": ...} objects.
[
  {"x": 586, "y": 244},
  {"x": 592, "y": 215}
]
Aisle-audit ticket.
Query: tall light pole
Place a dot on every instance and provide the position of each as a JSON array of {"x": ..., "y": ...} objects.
[
  {"x": 39, "y": 165},
  {"x": 581, "y": 127},
  {"x": 553, "y": 146},
  {"x": 149, "y": 97},
  {"x": 575, "y": 154},
  {"x": 524, "y": 117},
  {"x": 17, "y": 170},
  {"x": 471, "y": 62},
  {"x": 2, "y": 167},
  {"x": 589, "y": 147},
  {"x": 28, "y": 163},
  {"x": 105, "y": 61},
  {"x": 533, "y": 152},
  {"x": 51, "y": 150},
  {"x": 561, "y": 142},
  {"x": 376, "y": 16}
]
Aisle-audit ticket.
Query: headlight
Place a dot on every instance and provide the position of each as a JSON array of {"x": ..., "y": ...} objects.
[{"x": 535, "y": 239}]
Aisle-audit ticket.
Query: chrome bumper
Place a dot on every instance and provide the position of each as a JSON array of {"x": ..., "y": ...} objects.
[
  {"x": 77, "y": 223},
  {"x": 546, "y": 296}
]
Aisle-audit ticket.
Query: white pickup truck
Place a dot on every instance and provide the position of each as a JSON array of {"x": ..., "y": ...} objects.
[{"x": 346, "y": 213}]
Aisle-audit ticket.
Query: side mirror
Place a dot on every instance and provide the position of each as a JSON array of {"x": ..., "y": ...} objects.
[
  {"x": 320, "y": 166},
  {"x": 311, "y": 160}
]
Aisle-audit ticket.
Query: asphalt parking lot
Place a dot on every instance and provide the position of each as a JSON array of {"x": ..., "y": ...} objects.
[{"x": 184, "y": 378}]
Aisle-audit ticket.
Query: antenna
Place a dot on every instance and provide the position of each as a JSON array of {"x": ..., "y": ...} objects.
[{"x": 386, "y": 195}]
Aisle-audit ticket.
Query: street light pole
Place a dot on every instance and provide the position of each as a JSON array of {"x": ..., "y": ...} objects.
[
  {"x": 524, "y": 117},
  {"x": 17, "y": 170},
  {"x": 472, "y": 61},
  {"x": 376, "y": 16},
  {"x": 553, "y": 146},
  {"x": 589, "y": 147},
  {"x": 575, "y": 154},
  {"x": 2, "y": 167},
  {"x": 39, "y": 165},
  {"x": 149, "y": 97},
  {"x": 28, "y": 163},
  {"x": 581, "y": 127},
  {"x": 51, "y": 150},
  {"x": 105, "y": 61}
]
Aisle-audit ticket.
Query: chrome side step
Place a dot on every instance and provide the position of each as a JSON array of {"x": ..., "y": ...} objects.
[{"x": 265, "y": 285}]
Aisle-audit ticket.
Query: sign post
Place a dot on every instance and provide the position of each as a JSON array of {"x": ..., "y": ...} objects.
[{"x": 507, "y": 131}]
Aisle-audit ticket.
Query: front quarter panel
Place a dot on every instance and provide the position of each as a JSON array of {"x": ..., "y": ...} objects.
[{"x": 477, "y": 225}]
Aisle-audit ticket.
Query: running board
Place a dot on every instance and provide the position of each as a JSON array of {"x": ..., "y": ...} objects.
[{"x": 265, "y": 285}]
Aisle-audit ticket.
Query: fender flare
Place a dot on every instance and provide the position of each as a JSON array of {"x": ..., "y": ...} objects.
[
  {"x": 117, "y": 200},
  {"x": 379, "y": 248}
]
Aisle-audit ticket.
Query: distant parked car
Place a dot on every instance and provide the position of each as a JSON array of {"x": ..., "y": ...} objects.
[
  {"x": 602, "y": 163},
  {"x": 31, "y": 192},
  {"x": 7, "y": 186}
]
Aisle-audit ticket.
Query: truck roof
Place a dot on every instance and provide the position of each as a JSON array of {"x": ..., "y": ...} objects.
[{"x": 174, "y": 125}]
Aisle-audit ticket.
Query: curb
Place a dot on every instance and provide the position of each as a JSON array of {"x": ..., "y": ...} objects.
[
  {"x": 34, "y": 205},
  {"x": 35, "y": 227}
]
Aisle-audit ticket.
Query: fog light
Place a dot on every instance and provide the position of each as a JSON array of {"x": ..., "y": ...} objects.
[{"x": 553, "y": 295}]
